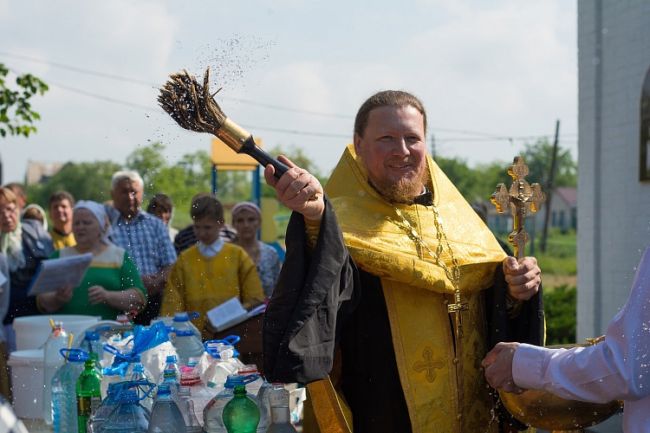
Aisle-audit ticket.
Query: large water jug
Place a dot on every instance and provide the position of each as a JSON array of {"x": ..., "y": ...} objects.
[
  {"x": 92, "y": 343},
  {"x": 213, "y": 412},
  {"x": 64, "y": 401},
  {"x": 105, "y": 409},
  {"x": 186, "y": 340},
  {"x": 57, "y": 340},
  {"x": 278, "y": 399},
  {"x": 128, "y": 417},
  {"x": 220, "y": 361},
  {"x": 166, "y": 417}
]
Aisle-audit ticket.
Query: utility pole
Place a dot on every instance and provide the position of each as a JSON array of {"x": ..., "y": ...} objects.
[{"x": 549, "y": 186}]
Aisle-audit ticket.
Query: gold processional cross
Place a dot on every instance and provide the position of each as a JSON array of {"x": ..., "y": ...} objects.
[{"x": 522, "y": 199}]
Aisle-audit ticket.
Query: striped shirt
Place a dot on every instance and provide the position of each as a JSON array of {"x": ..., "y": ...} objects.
[{"x": 146, "y": 239}]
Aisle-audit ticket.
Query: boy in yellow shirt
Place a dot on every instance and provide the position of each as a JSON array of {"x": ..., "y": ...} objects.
[{"x": 211, "y": 271}]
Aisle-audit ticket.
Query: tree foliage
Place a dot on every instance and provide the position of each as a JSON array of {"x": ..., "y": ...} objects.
[
  {"x": 538, "y": 157},
  {"x": 85, "y": 180},
  {"x": 16, "y": 114},
  {"x": 479, "y": 183}
]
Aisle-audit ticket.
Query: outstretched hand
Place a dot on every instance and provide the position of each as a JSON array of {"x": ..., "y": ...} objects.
[
  {"x": 523, "y": 277},
  {"x": 298, "y": 190},
  {"x": 498, "y": 367}
]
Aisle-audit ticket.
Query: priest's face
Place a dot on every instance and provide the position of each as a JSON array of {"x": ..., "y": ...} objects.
[{"x": 393, "y": 150}]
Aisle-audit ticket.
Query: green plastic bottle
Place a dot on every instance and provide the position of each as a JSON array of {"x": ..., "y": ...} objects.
[
  {"x": 241, "y": 414},
  {"x": 89, "y": 394}
]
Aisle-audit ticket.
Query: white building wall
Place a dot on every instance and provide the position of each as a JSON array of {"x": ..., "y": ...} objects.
[{"x": 613, "y": 205}]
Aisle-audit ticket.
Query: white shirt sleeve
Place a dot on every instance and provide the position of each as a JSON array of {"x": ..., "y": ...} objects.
[{"x": 617, "y": 368}]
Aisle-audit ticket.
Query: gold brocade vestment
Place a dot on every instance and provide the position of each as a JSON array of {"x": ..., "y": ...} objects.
[{"x": 417, "y": 290}]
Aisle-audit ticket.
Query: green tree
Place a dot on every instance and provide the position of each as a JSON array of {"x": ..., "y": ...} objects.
[
  {"x": 538, "y": 157},
  {"x": 85, "y": 180},
  {"x": 16, "y": 114},
  {"x": 148, "y": 161},
  {"x": 462, "y": 176}
]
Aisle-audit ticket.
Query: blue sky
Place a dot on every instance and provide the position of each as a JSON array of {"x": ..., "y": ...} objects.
[{"x": 492, "y": 75}]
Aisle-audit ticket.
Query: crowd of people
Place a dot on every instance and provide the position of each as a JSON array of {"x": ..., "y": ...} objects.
[{"x": 141, "y": 266}]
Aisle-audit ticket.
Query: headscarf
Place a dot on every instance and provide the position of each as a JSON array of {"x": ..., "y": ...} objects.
[
  {"x": 39, "y": 209},
  {"x": 246, "y": 205},
  {"x": 99, "y": 212}
]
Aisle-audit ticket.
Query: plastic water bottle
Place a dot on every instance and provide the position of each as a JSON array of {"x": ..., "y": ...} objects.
[
  {"x": 213, "y": 412},
  {"x": 92, "y": 344},
  {"x": 104, "y": 410},
  {"x": 264, "y": 406},
  {"x": 200, "y": 394},
  {"x": 52, "y": 360},
  {"x": 241, "y": 414},
  {"x": 138, "y": 374},
  {"x": 88, "y": 391},
  {"x": 64, "y": 403},
  {"x": 171, "y": 373},
  {"x": 186, "y": 340},
  {"x": 166, "y": 417},
  {"x": 278, "y": 399},
  {"x": 186, "y": 406},
  {"x": 129, "y": 416}
]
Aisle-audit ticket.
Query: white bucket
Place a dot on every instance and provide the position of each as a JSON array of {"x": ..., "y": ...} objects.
[
  {"x": 27, "y": 374},
  {"x": 32, "y": 331}
]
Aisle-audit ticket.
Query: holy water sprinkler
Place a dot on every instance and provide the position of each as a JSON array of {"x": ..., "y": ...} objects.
[{"x": 192, "y": 106}]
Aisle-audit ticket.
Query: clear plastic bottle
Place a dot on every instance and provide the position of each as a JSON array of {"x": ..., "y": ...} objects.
[
  {"x": 171, "y": 372},
  {"x": 139, "y": 374},
  {"x": 186, "y": 406},
  {"x": 166, "y": 417},
  {"x": 64, "y": 402},
  {"x": 278, "y": 399},
  {"x": 52, "y": 360},
  {"x": 92, "y": 343},
  {"x": 105, "y": 409},
  {"x": 213, "y": 412},
  {"x": 265, "y": 407},
  {"x": 186, "y": 340},
  {"x": 200, "y": 393},
  {"x": 128, "y": 417},
  {"x": 88, "y": 391},
  {"x": 241, "y": 414}
]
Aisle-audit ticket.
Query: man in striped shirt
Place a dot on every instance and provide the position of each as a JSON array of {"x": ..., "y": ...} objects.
[{"x": 144, "y": 237}]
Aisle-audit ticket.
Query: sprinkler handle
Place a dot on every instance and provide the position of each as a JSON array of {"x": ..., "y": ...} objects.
[{"x": 251, "y": 149}]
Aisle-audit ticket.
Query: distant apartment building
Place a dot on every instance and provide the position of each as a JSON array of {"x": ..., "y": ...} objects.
[{"x": 39, "y": 172}]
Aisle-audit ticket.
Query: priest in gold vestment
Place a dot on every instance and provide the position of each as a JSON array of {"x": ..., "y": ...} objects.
[{"x": 371, "y": 268}]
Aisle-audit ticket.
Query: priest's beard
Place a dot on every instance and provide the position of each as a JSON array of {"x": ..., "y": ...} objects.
[{"x": 403, "y": 190}]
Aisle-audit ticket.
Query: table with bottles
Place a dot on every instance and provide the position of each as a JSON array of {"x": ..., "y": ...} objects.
[{"x": 161, "y": 379}]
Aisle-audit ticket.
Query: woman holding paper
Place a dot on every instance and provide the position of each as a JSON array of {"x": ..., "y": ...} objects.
[
  {"x": 111, "y": 284},
  {"x": 210, "y": 272}
]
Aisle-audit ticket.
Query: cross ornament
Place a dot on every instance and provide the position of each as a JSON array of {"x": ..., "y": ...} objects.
[
  {"x": 429, "y": 364},
  {"x": 455, "y": 309},
  {"x": 522, "y": 199}
]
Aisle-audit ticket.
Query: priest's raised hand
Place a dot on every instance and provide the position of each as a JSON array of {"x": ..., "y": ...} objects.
[{"x": 298, "y": 190}]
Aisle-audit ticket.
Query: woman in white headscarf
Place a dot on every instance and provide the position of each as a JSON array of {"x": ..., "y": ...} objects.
[{"x": 111, "y": 285}]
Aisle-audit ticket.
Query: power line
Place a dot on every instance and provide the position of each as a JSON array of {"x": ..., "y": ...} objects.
[
  {"x": 151, "y": 85},
  {"x": 484, "y": 137}
]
